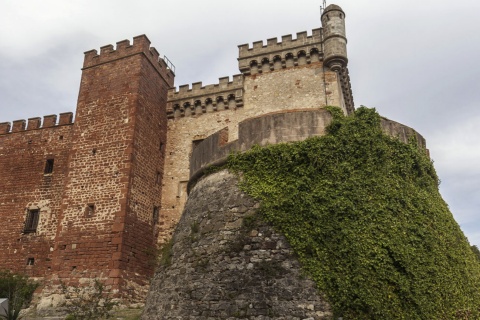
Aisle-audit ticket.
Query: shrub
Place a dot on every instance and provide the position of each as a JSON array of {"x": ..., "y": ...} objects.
[
  {"x": 87, "y": 303},
  {"x": 18, "y": 289}
]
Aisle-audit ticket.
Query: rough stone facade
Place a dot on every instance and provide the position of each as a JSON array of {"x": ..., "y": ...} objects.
[
  {"x": 91, "y": 199},
  {"x": 225, "y": 264}
]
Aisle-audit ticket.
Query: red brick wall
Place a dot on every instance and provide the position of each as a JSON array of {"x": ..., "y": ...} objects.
[
  {"x": 114, "y": 159},
  {"x": 24, "y": 185},
  {"x": 147, "y": 173}
]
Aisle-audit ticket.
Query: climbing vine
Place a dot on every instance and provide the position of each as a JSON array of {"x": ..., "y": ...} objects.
[{"x": 363, "y": 213}]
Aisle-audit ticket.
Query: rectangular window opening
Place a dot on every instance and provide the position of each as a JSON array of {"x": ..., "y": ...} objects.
[
  {"x": 156, "y": 215},
  {"x": 30, "y": 261},
  {"x": 90, "y": 210},
  {"x": 49, "y": 166},
  {"x": 158, "y": 178},
  {"x": 31, "y": 222}
]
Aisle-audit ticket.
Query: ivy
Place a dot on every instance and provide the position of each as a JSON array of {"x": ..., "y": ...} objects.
[{"x": 363, "y": 213}]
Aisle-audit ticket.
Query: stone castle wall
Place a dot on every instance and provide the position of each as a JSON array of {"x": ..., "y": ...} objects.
[
  {"x": 223, "y": 267},
  {"x": 121, "y": 171},
  {"x": 306, "y": 85}
]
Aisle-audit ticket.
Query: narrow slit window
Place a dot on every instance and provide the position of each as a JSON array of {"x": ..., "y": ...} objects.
[
  {"x": 49, "y": 166},
  {"x": 31, "y": 222},
  {"x": 156, "y": 215},
  {"x": 158, "y": 178},
  {"x": 90, "y": 210}
]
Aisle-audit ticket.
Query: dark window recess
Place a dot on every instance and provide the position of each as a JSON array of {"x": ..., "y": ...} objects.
[
  {"x": 158, "y": 179},
  {"x": 30, "y": 261},
  {"x": 161, "y": 147},
  {"x": 90, "y": 210},
  {"x": 156, "y": 215},
  {"x": 49, "y": 166},
  {"x": 195, "y": 143},
  {"x": 32, "y": 221}
]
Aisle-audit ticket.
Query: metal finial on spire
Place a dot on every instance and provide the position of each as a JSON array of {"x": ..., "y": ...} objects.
[{"x": 323, "y": 6}]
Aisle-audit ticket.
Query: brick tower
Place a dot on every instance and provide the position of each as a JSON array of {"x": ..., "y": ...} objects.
[{"x": 112, "y": 193}]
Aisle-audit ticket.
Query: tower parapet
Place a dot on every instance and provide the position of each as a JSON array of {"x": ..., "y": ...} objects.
[
  {"x": 141, "y": 45},
  {"x": 276, "y": 55},
  {"x": 203, "y": 99}
]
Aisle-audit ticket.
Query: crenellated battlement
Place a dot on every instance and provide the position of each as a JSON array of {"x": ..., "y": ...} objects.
[
  {"x": 141, "y": 45},
  {"x": 49, "y": 121},
  {"x": 198, "y": 99},
  {"x": 289, "y": 52}
]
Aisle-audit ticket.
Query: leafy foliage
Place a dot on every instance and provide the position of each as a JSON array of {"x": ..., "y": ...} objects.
[
  {"x": 88, "y": 303},
  {"x": 166, "y": 253},
  {"x": 363, "y": 212},
  {"x": 476, "y": 251},
  {"x": 18, "y": 289}
]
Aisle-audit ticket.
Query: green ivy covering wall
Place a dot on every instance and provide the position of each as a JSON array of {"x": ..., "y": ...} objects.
[{"x": 363, "y": 212}]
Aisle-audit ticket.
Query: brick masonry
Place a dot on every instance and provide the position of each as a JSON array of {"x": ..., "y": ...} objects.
[{"x": 25, "y": 186}]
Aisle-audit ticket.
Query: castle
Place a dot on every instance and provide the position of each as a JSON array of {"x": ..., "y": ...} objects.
[{"x": 90, "y": 199}]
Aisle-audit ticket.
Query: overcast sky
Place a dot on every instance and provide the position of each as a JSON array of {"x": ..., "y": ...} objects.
[{"x": 416, "y": 62}]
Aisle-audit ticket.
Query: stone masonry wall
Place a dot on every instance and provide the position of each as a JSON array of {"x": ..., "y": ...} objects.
[
  {"x": 272, "y": 128},
  {"x": 25, "y": 185},
  {"x": 296, "y": 87},
  {"x": 225, "y": 264}
]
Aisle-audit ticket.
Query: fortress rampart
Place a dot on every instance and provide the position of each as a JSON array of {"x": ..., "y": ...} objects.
[
  {"x": 202, "y": 99},
  {"x": 274, "y": 128},
  {"x": 276, "y": 55},
  {"x": 92, "y": 198}
]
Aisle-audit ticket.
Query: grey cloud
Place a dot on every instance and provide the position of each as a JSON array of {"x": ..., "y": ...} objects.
[{"x": 415, "y": 62}]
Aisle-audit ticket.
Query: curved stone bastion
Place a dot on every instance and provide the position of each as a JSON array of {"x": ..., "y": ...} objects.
[
  {"x": 224, "y": 264},
  {"x": 273, "y": 128}
]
